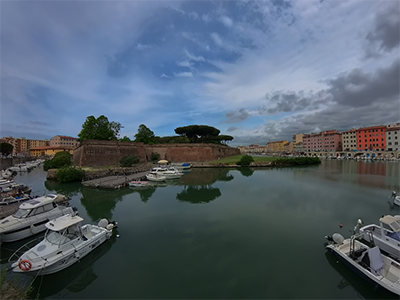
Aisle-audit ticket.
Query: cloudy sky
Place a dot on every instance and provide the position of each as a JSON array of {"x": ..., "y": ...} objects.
[{"x": 259, "y": 71}]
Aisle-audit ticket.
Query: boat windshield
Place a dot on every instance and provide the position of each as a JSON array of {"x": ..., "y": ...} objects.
[
  {"x": 21, "y": 213},
  {"x": 63, "y": 236}
]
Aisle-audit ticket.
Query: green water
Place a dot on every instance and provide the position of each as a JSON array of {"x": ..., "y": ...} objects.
[{"x": 221, "y": 233}]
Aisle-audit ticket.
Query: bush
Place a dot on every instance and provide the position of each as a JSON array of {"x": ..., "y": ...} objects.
[
  {"x": 245, "y": 160},
  {"x": 68, "y": 174},
  {"x": 60, "y": 159},
  {"x": 154, "y": 156},
  {"x": 128, "y": 161}
]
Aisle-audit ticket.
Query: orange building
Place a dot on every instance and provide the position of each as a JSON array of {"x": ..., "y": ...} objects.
[{"x": 371, "y": 138}]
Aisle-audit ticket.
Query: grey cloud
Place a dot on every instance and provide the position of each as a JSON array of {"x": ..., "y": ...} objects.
[
  {"x": 358, "y": 89},
  {"x": 292, "y": 101},
  {"x": 386, "y": 31},
  {"x": 230, "y": 129},
  {"x": 237, "y": 116}
]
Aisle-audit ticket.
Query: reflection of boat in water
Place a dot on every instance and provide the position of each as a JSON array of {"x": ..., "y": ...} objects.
[
  {"x": 139, "y": 184},
  {"x": 74, "y": 279},
  {"x": 352, "y": 280}
]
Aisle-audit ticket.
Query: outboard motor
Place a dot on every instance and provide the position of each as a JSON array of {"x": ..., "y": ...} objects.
[
  {"x": 107, "y": 225},
  {"x": 336, "y": 238}
]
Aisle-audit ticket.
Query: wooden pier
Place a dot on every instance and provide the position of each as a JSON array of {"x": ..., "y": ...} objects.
[{"x": 114, "y": 182}]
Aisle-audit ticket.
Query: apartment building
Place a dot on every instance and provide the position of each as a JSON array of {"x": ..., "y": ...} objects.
[
  {"x": 312, "y": 142},
  {"x": 392, "y": 136},
  {"x": 371, "y": 138},
  {"x": 66, "y": 142},
  {"x": 275, "y": 146},
  {"x": 349, "y": 140},
  {"x": 23, "y": 145}
]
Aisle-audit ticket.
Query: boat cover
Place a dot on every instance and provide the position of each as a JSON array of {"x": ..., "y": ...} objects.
[{"x": 376, "y": 261}]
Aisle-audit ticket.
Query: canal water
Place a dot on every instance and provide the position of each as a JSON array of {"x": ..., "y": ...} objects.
[{"x": 224, "y": 233}]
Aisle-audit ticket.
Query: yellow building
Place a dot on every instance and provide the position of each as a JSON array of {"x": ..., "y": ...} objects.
[
  {"x": 277, "y": 146},
  {"x": 48, "y": 151}
]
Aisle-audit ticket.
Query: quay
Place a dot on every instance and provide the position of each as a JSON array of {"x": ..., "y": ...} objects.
[{"x": 115, "y": 181}]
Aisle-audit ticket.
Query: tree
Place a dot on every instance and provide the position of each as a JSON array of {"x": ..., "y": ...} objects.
[
  {"x": 203, "y": 133},
  {"x": 99, "y": 129},
  {"x": 223, "y": 138},
  {"x": 125, "y": 139},
  {"x": 6, "y": 148},
  {"x": 144, "y": 135}
]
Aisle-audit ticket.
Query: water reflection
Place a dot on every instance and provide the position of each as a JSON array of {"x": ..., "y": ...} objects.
[
  {"x": 206, "y": 176},
  {"x": 198, "y": 194},
  {"x": 247, "y": 172},
  {"x": 373, "y": 174},
  {"x": 70, "y": 189},
  {"x": 351, "y": 279},
  {"x": 75, "y": 278}
]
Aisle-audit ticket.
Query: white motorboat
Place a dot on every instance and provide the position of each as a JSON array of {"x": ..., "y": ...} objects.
[
  {"x": 139, "y": 183},
  {"x": 66, "y": 242},
  {"x": 155, "y": 177},
  {"x": 168, "y": 172},
  {"x": 8, "y": 199},
  {"x": 31, "y": 217},
  {"x": 367, "y": 262},
  {"x": 6, "y": 184},
  {"x": 397, "y": 200},
  {"x": 386, "y": 235}
]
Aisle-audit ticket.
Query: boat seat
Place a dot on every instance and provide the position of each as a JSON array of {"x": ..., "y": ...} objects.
[{"x": 393, "y": 274}]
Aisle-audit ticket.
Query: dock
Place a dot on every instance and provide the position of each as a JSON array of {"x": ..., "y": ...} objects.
[{"x": 115, "y": 181}]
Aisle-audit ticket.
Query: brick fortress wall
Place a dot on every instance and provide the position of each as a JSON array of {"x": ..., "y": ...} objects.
[{"x": 109, "y": 153}]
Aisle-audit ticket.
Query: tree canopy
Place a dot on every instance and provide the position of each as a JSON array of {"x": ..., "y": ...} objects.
[
  {"x": 196, "y": 133},
  {"x": 99, "y": 129},
  {"x": 144, "y": 135},
  {"x": 6, "y": 148}
]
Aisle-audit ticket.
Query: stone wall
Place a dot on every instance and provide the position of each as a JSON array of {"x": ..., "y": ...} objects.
[
  {"x": 106, "y": 153},
  {"x": 109, "y": 153}
]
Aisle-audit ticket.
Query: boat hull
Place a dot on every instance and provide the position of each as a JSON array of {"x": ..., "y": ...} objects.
[{"x": 57, "y": 263}]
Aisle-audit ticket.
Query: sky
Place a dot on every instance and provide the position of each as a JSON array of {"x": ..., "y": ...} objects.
[{"x": 258, "y": 71}]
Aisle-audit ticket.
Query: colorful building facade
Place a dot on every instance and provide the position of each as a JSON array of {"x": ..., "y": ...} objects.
[{"x": 371, "y": 138}]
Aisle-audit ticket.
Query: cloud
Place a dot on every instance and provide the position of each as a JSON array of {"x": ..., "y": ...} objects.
[
  {"x": 358, "y": 88},
  {"x": 237, "y": 116},
  {"x": 385, "y": 34}
]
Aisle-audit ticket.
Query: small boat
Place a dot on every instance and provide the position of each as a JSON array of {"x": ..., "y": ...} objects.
[
  {"x": 155, "y": 177},
  {"x": 139, "y": 183},
  {"x": 366, "y": 261},
  {"x": 167, "y": 172},
  {"x": 8, "y": 199},
  {"x": 30, "y": 218},
  {"x": 66, "y": 242},
  {"x": 396, "y": 199},
  {"x": 386, "y": 235}
]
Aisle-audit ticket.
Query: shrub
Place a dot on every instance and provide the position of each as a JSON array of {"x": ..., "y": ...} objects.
[
  {"x": 59, "y": 160},
  {"x": 245, "y": 160},
  {"x": 128, "y": 161},
  {"x": 154, "y": 156},
  {"x": 68, "y": 174}
]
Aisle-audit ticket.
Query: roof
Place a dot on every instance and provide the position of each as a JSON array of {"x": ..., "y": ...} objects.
[
  {"x": 65, "y": 137},
  {"x": 39, "y": 201},
  {"x": 49, "y": 148},
  {"x": 63, "y": 222},
  {"x": 393, "y": 222}
]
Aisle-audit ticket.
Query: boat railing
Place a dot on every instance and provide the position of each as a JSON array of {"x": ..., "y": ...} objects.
[{"x": 21, "y": 250}]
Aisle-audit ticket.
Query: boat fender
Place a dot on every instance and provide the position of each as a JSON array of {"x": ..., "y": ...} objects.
[{"x": 25, "y": 265}]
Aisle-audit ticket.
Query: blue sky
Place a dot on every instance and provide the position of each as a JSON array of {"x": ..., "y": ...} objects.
[{"x": 259, "y": 71}]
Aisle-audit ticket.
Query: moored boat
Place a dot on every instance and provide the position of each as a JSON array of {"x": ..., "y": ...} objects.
[
  {"x": 139, "y": 183},
  {"x": 30, "y": 218},
  {"x": 155, "y": 177},
  {"x": 386, "y": 235},
  {"x": 66, "y": 242},
  {"x": 368, "y": 262}
]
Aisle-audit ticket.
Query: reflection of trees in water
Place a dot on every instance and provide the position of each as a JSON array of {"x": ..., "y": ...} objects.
[
  {"x": 145, "y": 194},
  {"x": 70, "y": 189},
  {"x": 100, "y": 203},
  {"x": 75, "y": 278},
  {"x": 247, "y": 172},
  {"x": 206, "y": 176},
  {"x": 198, "y": 194}
]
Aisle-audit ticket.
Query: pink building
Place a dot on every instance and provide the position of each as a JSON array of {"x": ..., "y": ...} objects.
[{"x": 329, "y": 140}]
